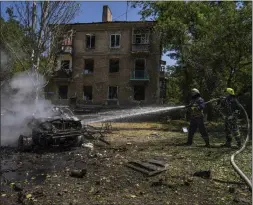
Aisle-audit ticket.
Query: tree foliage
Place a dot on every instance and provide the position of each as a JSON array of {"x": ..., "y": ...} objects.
[
  {"x": 211, "y": 43},
  {"x": 33, "y": 31}
]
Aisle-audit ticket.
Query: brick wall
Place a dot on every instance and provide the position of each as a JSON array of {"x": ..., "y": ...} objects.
[{"x": 101, "y": 78}]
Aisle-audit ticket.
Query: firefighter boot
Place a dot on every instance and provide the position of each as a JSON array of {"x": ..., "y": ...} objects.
[
  {"x": 207, "y": 142},
  {"x": 228, "y": 141},
  {"x": 238, "y": 140}
]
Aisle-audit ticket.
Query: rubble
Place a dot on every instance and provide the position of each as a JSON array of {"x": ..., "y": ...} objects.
[
  {"x": 78, "y": 173},
  {"x": 203, "y": 174}
]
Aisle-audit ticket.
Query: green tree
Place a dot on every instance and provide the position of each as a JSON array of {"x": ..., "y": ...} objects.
[{"x": 211, "y": 43}]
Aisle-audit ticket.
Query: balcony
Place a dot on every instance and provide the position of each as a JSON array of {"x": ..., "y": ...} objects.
[
  {"x": 140, "y": 48},
  {"x": 139, "y": 75},
  {"x": 62, "y": 75},
  {"x": 66, "y": 49}
]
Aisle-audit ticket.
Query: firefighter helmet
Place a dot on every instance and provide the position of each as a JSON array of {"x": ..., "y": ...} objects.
[
  {"x": 195, "y": 91},
  {"x": 230, "y": 91}
]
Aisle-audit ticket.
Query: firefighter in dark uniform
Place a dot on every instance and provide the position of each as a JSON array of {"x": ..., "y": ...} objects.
[
  {"x": 196, "y": 106},
  {"x": 230, "y": 112}
]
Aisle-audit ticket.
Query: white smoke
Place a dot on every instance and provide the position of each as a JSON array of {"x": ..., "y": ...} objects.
[{"x": 19, "y": 97}]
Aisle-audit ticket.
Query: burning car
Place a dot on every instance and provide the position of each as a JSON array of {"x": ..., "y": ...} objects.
[{"x": 63, "y": 129}]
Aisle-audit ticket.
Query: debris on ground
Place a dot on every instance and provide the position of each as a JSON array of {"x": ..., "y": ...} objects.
[
  {"x": 78, "y": 173},
  {"x": 45, "y": 175},
  {"x": 203, "y": 174},
  {"x": 149, "y": 167}
]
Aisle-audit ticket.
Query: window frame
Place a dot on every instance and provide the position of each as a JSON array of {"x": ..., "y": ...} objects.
[
  {"x": 85, "y": 66},
  {"x": 147, "y": 37},
  {"x": 116, "y": 34},
  {"x": 90, "y": 42}
]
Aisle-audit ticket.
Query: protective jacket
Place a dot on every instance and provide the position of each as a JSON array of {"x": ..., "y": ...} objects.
[
  {"x": 197, "y": 106},
  {"x": 230, "y": 110},
  {"x": 229, "y": 107}
]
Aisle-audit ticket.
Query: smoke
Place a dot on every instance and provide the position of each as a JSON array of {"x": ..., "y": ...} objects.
[{"x": 19, "y": 104}]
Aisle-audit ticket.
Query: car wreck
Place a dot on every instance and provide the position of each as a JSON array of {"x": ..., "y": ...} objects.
[{"x": 62, "y": 129}]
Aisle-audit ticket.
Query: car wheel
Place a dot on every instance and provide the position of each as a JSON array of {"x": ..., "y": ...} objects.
[
  {"x": 23, "y": 145},
  {"x": 79, "y": 141}
]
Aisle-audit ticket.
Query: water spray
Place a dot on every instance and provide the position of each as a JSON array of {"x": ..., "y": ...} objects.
[{"x": 133, "y": 113}]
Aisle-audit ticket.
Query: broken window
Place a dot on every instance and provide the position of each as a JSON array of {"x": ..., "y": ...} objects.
[
  {"x": 87, "y": 92},
  {"x": 113, "y": 92},
  {"x": 114, "y": 65},
  {"x": 90, "y": 41},
  {"x": 65, "y": 65},
  {"x": 88, "y": 66},
  {"x": 141, "y": 37},
  {"x": 140, "y": 65},
  {"x": 63, "y": 92},
  {"x": 139, "y": 92},
  {"x": 115, "y": 41}
]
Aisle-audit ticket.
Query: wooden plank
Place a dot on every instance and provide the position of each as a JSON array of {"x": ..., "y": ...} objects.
[
  {"x": 144, "y": 171},
  {"x": 157, "y": 162},
  {"x": 138, "y": 169},
  {"x": 145, "y": 166},
  {"x": 157, "y": 172}
]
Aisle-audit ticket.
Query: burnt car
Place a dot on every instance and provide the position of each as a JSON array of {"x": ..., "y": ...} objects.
[{"x": 63, "y": 129}]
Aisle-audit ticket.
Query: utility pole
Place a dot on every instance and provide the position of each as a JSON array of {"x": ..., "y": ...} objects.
[
  {"x": 127, "y": 10},
  {"x": 34, "y": 19}
]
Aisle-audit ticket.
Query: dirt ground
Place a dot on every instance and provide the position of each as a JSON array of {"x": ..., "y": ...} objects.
[{"x": 43, "y": 177}]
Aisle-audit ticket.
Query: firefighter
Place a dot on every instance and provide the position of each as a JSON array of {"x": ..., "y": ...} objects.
[
  {"x": 196, "y": 106},
  {"x": 230, "y": 112}
]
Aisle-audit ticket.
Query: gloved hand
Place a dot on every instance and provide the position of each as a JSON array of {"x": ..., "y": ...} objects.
[
  {"x": 220, "y": 99},
  {"x": 188, "y": 106},
  {"x": 194, "y": 107}
]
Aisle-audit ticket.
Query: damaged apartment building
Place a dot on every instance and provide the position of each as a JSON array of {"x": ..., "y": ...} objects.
[{"x": 110, "y": 63}]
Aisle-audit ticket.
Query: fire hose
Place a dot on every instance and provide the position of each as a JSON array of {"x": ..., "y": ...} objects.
[{"x": 232, "y": 159}]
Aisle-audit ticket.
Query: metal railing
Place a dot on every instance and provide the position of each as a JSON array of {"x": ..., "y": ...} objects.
[
  {"x": 139, "y": 75},
  {"x": 140, "y": 47}
]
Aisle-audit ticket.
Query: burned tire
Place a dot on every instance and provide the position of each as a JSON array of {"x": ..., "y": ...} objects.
[
  {"x": 79, "y": 141},
  {"x": 23, "y": 144}
]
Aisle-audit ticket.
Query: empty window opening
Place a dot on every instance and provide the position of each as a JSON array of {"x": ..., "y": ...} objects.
[
  {"x": 88, "y": 66},
  {"x": 65, "y": 64},
  {"x": 139, "y": 92},
  {"x": 90, "y": 41},
  {"x": 115, "y": 41},
  {"x": 114, "y": 65},
  {"x": 63, "y": 92},
  {"x": 113, "y": 92},
  {"x": 140, "y": 64},
  {"x": 87, "y": 92},
  {"x": 139, "y": 68},
  {"x": 141, "y": 37}
]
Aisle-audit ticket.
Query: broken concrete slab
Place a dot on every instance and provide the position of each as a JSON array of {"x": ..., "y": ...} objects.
[{"x": 149, "y": 167}]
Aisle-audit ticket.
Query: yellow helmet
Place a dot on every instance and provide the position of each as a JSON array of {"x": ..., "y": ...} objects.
[{"x": 230, "y": 91}]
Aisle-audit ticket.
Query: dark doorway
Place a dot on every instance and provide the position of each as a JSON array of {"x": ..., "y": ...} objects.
[
  {"x": 63, "y": 92},
  {"x": 113, "y": 92},
  {"x": 87, "y": 92},
  {"x": 139, "y": 92}
]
